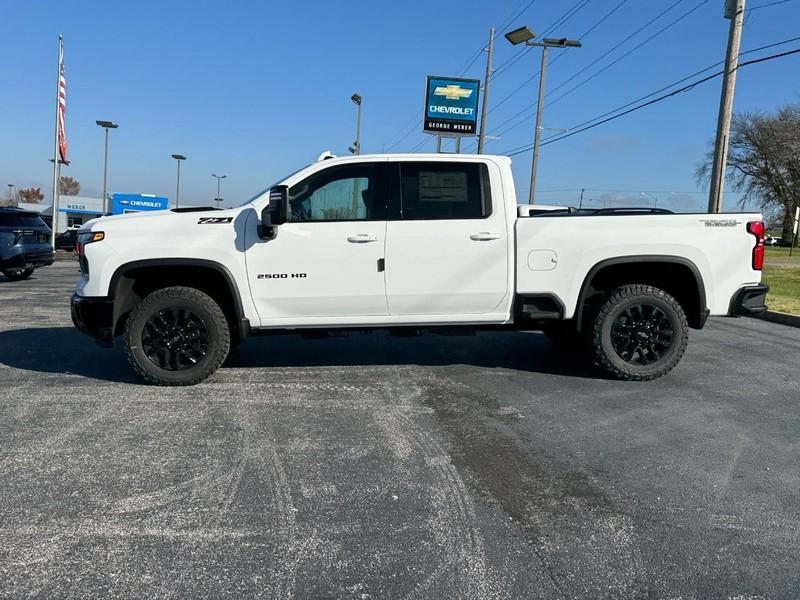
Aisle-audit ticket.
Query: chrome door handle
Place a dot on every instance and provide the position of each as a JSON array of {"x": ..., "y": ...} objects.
[
  {"x": 362, "y": 238},
  {"x": 484, "y": 236}
]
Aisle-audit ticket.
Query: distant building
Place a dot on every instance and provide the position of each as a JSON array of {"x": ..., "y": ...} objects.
[{"x": 73, "y": 211}]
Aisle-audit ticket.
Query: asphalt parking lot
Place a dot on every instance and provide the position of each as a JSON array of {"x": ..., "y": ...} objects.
[{"x": 378, "y": 467}]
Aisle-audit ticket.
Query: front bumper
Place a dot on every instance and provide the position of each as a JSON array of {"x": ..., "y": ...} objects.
[
  {"x": 94, "y": 316},
  {"x": 749, "y": 301}
]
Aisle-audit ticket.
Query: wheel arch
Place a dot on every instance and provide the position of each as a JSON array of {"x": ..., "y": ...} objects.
[
  {"x": 134, "y": 280},
  {"x": 675, "y": 271}
]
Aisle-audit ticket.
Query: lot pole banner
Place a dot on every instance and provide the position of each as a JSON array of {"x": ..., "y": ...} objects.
[
  {"x": 451, "y": 106},
  {"x": 58, "y": 135}
]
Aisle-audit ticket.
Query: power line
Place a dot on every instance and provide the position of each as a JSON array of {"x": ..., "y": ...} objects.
[
  {"x": 674, "y": 83},
  {"x": 560, "y": 55},
  {"x": 628, "y": 53},
  {"x": 557, "y": 138},
  {"x": 766, "y": 5},
  {"x": 571, "y": 12},
  {"x": 652, "y": 37}
]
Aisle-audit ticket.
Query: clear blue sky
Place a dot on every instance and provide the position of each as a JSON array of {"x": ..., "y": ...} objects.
[{"x": 256, "y": 89}]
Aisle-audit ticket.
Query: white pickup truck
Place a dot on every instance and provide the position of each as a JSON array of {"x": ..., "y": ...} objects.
[{"x": 411, "y": 242}]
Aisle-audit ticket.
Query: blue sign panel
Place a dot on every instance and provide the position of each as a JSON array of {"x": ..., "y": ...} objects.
[
  {"x": 451, "y": 105},
  {"x": 125, "y": 203}
]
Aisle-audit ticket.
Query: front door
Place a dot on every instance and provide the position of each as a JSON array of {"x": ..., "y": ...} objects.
[
  {"x": 325, "y": 264},
  {"x": 447, "y": 253}
]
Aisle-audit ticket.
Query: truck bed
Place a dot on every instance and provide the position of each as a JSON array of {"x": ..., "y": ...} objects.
[{"x": 552, "y": 246}]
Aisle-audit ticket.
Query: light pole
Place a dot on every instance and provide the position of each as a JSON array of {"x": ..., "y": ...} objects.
[
  {"x": 356, "y": 147},
  {"x": 178, "y": 158},
  {"x": 218, "y": 199},
  {"x": 106, "y": 125},
  {"x": 525, "y": 35}
]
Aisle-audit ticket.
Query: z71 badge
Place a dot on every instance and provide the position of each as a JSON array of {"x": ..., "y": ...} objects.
[{"x": 213, "y": 220}]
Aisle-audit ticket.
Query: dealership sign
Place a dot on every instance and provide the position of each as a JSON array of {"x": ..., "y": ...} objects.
[
  {"x": 451, "y": 106},
  {"x": 125, "y": 203}
]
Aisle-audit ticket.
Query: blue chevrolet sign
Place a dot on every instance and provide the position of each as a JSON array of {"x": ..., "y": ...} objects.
[
  {"x": 125, "y": 203},
  {"x": 451, "y": 105}
]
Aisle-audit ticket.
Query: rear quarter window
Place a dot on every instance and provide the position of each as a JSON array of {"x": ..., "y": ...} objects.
[{"x": 21, "y": 221}]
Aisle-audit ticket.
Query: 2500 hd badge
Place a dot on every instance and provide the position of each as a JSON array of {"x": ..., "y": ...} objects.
[{"x": 281, "y": 276}]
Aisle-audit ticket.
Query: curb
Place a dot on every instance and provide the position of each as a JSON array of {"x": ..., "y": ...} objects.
[{"x": 782, "y": 318}]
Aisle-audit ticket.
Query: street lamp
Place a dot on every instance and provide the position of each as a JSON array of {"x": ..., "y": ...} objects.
[
  {"x": 178, "y": 158},
  {"x": 356, "y": 147},
  {"x": 525, "y": 35},
  {"x": 218, "y": 199},
  {"x": 106, "y": 125}
]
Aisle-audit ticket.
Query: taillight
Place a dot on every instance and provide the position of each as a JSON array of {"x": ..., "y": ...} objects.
[{"x": 757, "y": 229}]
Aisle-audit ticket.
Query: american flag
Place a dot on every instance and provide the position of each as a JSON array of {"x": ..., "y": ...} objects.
[{"x": 62, "y": 105}]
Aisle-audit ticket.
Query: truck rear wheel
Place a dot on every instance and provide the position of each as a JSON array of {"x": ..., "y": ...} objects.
[
  {"x": 176, "y": 336},
  {"x": 18, "y": 274},
  {"x": 639, "y": 333}
]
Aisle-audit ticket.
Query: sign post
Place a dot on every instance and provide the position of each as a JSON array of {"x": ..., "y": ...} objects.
[{"x": 451, "y": 108}]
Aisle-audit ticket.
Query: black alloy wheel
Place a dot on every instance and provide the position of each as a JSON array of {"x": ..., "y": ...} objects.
[
  {"x": 175, "y": 339},
  {"x": 176, "y": 336},
  {"x": 639, "y": 333},
  {"x": 642, "y": 333}
]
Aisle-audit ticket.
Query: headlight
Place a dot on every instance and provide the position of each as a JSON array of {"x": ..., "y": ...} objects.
[{"x": 87, "y": 237}]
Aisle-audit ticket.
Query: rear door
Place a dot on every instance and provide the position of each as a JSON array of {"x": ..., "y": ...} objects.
[{"x": 447, "y": 249}]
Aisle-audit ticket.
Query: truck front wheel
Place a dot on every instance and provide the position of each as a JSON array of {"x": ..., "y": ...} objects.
[
  {"x": 640, "y": 333},
  {"x": 176, "y": 336}
]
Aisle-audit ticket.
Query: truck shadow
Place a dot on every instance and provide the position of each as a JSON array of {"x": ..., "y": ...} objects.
[{"x": 65, "y": 350}]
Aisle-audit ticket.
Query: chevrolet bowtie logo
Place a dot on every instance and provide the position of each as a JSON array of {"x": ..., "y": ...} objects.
[{"x": 452, "y": 92}]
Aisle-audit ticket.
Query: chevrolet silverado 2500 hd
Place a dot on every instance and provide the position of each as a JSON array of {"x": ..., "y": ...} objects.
[{"x": 411, "y": 242}]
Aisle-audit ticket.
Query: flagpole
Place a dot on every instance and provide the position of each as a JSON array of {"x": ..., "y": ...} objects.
[{"x": 56, "y": 165}]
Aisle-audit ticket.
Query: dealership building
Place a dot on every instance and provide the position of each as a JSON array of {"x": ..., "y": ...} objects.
[{"x": 74, "y": 211}]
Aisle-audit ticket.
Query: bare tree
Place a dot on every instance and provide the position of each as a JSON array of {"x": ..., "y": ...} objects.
[
  {"x": 764, "y": 162},
  {"x": 68, "y": 186},
  {"x": 31, "y": 194}
]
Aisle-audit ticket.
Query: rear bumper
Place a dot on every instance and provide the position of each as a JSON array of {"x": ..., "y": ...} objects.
[
  {"x": 38, "y": 258},
  {"x": 93, "y": 316},
  {"x": 749, "y": 301}
]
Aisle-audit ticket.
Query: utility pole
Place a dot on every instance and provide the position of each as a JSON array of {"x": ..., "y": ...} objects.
[
  {"x": 580, "y": 204},
  {"x": 486, "y": 81},
  {"x": 734, "y": 10}
]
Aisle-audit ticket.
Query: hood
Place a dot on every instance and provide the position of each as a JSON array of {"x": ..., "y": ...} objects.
[{"x": 181, "y": 216}]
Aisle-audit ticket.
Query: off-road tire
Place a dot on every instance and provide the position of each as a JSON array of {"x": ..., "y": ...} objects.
[
  {"x": 201, "y": 305},
  {"x": 667, "y": 315},
  {"x": 18, "y": 274}
]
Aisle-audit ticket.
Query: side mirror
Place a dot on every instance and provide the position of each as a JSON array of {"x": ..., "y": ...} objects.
[{"x": 275, "y": 213}]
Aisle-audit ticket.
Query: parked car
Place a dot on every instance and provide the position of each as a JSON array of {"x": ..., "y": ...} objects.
[
  {"x": 410, "y": 242},
  {"x": 772, "y": 241},
  {"x": 67, "y": 240},
  {"x": 24, "y": 243}
]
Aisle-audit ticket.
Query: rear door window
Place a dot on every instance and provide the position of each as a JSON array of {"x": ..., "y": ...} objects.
[{"x": 440, "y": 190}]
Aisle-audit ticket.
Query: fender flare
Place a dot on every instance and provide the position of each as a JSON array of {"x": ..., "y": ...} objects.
[
  {"x": 113, "y": 286},
  {"x": 640, "y": 258}
]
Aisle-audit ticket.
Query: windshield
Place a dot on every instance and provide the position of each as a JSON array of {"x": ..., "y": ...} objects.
[{"x": 265, "y": 190}]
